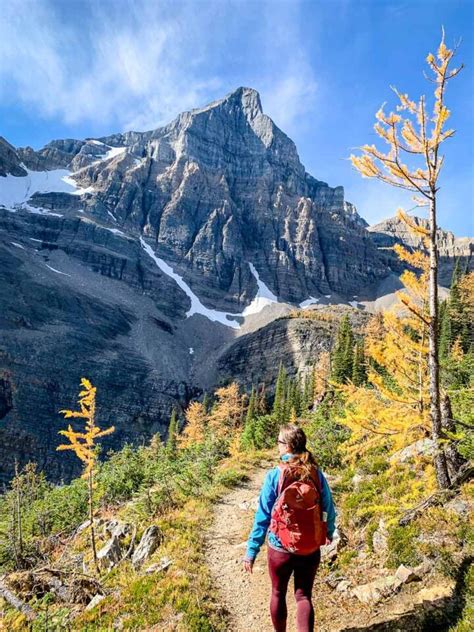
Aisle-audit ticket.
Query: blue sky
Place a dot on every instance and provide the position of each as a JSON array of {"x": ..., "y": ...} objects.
[{"x": 76, "y": 68}]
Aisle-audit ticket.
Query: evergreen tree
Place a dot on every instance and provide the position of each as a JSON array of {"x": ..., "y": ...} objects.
[
  {"x": 251, "y": 408},
  {"x": 359, "y": 372},
  {"x": 307, "y": 398},
  {"x": 297, "y": 397},
  {"x": 343, "y": 353},
  {"x": 445, "y": 333},
  {"x": 171, "y": 441},
  {"x": 261, "y": 401},
  {"x": 280, "y": 395},
  {"x": 206, "y": 403},
  {"x": 247, "y": 440}
]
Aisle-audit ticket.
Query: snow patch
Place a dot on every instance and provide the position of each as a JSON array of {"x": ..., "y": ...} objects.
[
  {"x": 196, "y": 306},
  {"x": 263, "y": 297},
  {"x": 191, "y": 351},
  {"x": 15, "y": 192},
  {"x": 353, "y": 303},
  {"x": 14, "y": 243},
  {"x": 77, "y": 190},
  {"x": 328, "y": 295},
  {"x": 114, "y": 152},
  {"x": 115, "y": 230},
  {"x": 309, "y": 301},
  {"x": 58, "y": 271},
  {"x": 112, "y": 216}
]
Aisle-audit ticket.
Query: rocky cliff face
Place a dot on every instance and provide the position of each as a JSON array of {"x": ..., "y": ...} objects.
[
  {"x": 134, "y": 260},
  {"x": 450, "y": 248}
]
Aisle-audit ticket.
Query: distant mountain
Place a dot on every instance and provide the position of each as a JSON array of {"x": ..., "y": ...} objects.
[
  {"x": 138, "y": 259},
  {"x": 451, "y": 249}
]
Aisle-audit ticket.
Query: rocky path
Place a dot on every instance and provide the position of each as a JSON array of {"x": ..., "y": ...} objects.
[{"x": 246, "y": 597}]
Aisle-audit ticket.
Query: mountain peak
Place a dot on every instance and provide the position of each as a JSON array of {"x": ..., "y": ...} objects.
[{"x": 248, "y": 99}]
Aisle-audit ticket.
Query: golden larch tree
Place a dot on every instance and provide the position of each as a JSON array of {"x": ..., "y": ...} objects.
[
  {"x": 415, "y": 134},
  {"x": 195, "y": 429},
  {"x": 84, "y": 445}
]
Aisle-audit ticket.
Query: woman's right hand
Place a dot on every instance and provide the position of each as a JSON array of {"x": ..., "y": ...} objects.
[{"x": 248, "y": 565}]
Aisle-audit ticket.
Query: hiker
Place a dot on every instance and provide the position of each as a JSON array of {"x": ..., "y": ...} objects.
[{"x": 296, "y": 508}]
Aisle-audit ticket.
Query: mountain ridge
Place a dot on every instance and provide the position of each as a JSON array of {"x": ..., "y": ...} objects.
[{"x": 142, "y": 265}]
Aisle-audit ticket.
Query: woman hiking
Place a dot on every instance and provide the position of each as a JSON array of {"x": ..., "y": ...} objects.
[{"x": 296, "y": 508}]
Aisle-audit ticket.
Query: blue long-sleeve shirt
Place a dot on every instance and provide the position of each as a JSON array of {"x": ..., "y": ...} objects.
[{"x": 267, "y": 498}]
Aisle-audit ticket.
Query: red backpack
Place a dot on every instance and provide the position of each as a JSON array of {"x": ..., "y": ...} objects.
[{"x": 297, "y": 516}]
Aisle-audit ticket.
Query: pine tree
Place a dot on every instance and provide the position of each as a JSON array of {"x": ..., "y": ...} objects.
[
  {"x": 261, "y": 402},
  {"x": 343, "y": 353},
  {"x": 359, "y": 372},
  {"x": 251, "y": 408},
  {"x": 280, "y": 395},
  {"x": 171, "y": 441}
]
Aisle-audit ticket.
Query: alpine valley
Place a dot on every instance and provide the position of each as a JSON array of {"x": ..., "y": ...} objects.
[{"x": 161, "y": 264}]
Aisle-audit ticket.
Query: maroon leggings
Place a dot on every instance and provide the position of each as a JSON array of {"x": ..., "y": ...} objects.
[{"x": 304, "y": 567}]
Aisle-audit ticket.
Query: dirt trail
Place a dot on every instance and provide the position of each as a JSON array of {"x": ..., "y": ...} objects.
[{"x": 246, "y": 597}]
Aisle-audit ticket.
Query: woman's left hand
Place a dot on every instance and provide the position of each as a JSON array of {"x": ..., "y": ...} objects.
[{"x": 248, "y": 565}]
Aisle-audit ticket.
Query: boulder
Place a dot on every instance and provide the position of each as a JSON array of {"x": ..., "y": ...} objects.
[
  {"x": 460, "y": 506},
  {"x": 343, "y": 586},
  {"x": 406, "y": 574},
  {"x": 110, "y": 554},
  {"x": 422, "y": 447},
  {"x": 159, "y": 566},
  {"x": 148, "y": 544},
  {"x": 375, "y": 591},
  {"x": 117, "y": 528},
  {"x": 94, "y": 601}
]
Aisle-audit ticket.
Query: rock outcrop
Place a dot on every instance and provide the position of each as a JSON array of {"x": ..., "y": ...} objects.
[{"x": 451, "y": 249}]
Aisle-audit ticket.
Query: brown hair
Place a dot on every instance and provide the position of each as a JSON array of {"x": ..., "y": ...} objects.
[{"x": 302, "y": 462}]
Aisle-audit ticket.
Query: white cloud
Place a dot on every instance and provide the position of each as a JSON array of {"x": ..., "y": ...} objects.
[
  {"x": 126, "y": 62},
  {"x": 136, "y": 64}
]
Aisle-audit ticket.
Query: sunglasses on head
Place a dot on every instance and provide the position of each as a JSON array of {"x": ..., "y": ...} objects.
[{"x": 280, "y": 441}]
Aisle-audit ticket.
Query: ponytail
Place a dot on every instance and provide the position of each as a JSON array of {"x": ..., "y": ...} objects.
[{"x": 302, "y": 462}]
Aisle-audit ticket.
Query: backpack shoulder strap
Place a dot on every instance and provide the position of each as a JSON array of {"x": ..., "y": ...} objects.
[
  {"x": 283, "y": 478},
  {"x": 317, "y": 481}
]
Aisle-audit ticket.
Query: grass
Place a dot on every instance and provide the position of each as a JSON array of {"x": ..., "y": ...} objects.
[{"x": 180, "y": 598}]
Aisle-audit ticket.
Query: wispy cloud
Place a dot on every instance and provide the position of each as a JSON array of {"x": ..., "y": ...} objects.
[{"x": 136, "y": 64}]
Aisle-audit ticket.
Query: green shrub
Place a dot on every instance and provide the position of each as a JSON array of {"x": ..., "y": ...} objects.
[
  {"x": 325, "y": 435},
  {"x": 402, "y": 547}
]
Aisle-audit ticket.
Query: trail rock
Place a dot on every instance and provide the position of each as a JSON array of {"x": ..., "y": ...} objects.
[
  {"x": 460, "y": 506},
  {"x": 117, "y": 528},
  {"x": 148, "y": 544},
  {"x": 377, "y": 590},
  {"x": 343, "y": 586},
  {"x": 111, "y": 553},
  {"x": 422, "y": 447},
  {"x": 406, "y": 574},
  {"x": 249, "y": 504},
  {"x": 94, "y": 602},
  {"x": 159, "y": 566}
]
